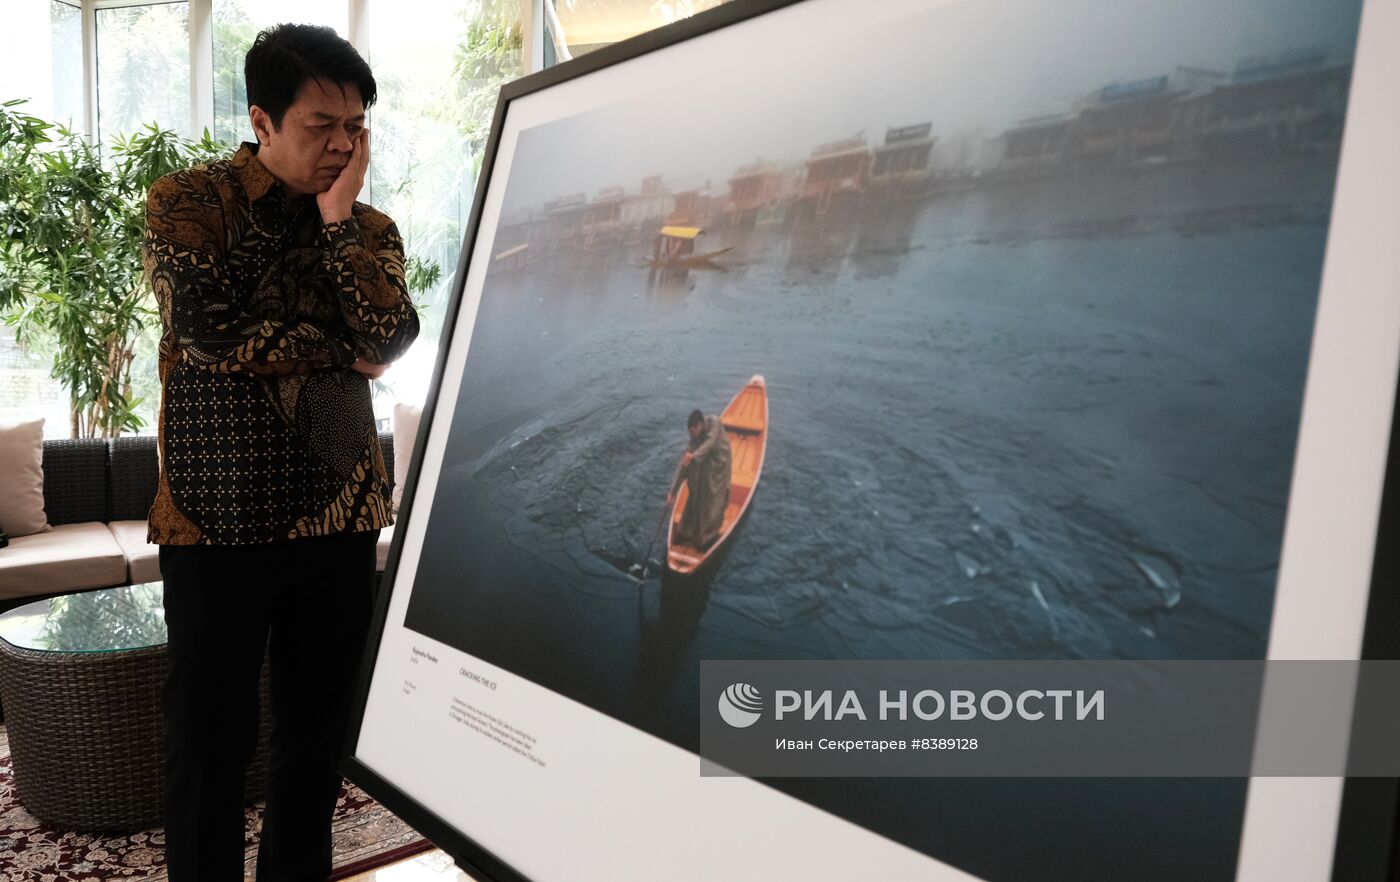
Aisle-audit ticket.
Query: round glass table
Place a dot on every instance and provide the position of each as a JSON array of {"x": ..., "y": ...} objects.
[{"x": 81, "y": 677}]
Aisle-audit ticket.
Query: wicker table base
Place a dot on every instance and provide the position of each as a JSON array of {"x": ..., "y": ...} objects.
[{"x": 87, "y": 736}]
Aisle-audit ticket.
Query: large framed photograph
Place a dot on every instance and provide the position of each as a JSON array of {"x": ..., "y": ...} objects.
[{"x": 919, "y": 329}]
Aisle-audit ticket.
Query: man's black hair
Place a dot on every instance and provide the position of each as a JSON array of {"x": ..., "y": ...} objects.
[
  {"x": 696, "y": 419},
  {"x": 285, "y": 56}
]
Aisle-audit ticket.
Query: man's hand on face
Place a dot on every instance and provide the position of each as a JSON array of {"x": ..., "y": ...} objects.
[
  {"x": 336, "y": 202},
  {"x": 371, "y": 370}
]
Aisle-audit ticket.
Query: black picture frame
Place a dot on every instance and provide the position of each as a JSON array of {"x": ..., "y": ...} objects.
[
  {"x": 1368, "y": 840},
  {"x": 1368, "y": 825}
]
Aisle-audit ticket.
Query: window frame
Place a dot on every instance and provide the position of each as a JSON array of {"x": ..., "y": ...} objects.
[{"x": 201, "y": 30}]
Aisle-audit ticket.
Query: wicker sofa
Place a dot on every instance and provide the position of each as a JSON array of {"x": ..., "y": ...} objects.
[{"x": 96, "y": 496}]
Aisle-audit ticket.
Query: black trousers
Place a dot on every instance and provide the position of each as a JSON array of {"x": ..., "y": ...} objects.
[{"x": 307, "y": 602}]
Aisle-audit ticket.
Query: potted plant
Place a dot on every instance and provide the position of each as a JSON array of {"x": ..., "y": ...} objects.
[{"x": 70, "y": 258}]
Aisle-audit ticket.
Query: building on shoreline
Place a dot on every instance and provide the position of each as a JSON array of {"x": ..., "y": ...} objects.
[
  {"x": 602, "y": 222},
  {"x": 1289, "y": 104},
  {"x": 900, "y": 166},
  {"x": 1137, "y": 121},
  {"x": 564, "y": 221},
  {"x": 645, "y": 211},
  {"x": 692, "y": 208},
  {"x": 836, "y": 172},
  {"x": 757, "y": 188},
  {"x": 1293, "y": 102},
  {"x": 1036, "y": 144},
  {"x": 1283, "y": 103}
]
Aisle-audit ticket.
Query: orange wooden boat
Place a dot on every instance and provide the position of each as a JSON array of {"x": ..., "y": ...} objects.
[{"x": 746, "y": 423}]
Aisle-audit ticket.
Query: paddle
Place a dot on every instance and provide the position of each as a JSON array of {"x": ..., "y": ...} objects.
[{"x": 656, "y": 534}]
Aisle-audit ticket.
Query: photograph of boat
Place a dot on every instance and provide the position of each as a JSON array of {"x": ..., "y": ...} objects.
[{"x": 1034, "y": 341}]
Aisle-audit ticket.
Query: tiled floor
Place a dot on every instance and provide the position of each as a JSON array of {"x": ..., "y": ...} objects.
[{"x": 432, "y": 866}]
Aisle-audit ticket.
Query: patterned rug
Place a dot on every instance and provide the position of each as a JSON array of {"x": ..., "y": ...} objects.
[{"x": 365, "y": 835}]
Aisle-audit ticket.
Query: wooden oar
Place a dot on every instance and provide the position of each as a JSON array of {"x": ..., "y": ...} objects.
[{"x": 656, "y": 534}]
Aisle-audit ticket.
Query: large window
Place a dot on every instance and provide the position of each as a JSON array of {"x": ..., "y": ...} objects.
[
  {"x": 143, "y": 68},
  {"x": 439, "y": 64},
  {"x": 43, "y": 64},
  {"x": 236, "y": 23},
  {"x": 43, "y": 59},
  {"x": 438, "y": 73},
  {"x": 66, "y": 63}
]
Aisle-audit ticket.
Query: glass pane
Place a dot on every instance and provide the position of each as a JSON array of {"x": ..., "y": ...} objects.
[
  {"x": 143, "y": 69},
  {"x": 110, "y": 620},
  {"x": 42, "y": 62},
  {"x": 27, "y": 387},
  {"x": 66, "y": 43},
  {"x": 43, "y": 59},
  {"x": 439, "y": 72},
  {"x": 236, "y": 23},
  {"x": 24, "y": 52},
  {"x": 577, "y": 27}
]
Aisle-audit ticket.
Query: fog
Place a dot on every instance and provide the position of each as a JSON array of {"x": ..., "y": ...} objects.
[{"x": 971, "y": 68}]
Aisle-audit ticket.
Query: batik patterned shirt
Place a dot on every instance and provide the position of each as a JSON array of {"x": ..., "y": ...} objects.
[{"x": 266, "y": 433}]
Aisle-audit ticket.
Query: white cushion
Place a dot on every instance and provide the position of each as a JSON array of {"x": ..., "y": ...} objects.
[
  {"x": 69, "y": 557},
  {"x": 381, "y": 549},
  {"x": 142, "y": 558},
  {"x": 406, "y": 417},
  {"x": 22, "y": 478}
]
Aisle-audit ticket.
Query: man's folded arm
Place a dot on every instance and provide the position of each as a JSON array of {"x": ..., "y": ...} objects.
[
  {"x": 183, "y": 255},
  {"x": 367, "y": 267}
]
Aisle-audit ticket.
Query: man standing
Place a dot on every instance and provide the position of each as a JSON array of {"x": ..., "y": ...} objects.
[
  {"x": 280, "y": 298},
  {"x": 706, "y": 466}
]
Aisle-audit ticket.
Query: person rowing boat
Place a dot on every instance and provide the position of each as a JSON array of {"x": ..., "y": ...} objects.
[{"x": 706, "y": 468}]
